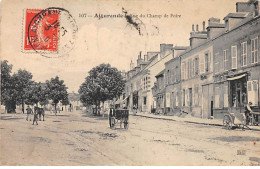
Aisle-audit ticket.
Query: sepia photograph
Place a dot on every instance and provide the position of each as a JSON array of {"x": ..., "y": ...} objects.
[{"x": 130, "y": 83}]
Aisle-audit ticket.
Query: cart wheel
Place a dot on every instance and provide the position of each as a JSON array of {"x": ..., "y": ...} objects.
[
  {"x": 126, "y": 124},
  {"x": 112, "y": 123},
  {"x": 227, "y": 122}
]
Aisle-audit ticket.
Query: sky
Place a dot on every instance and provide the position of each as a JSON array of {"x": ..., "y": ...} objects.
[{"x": 108, "y": 40}]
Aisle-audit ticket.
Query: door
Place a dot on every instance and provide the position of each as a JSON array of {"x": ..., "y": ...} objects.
[
  {"x": 207, "y": 101},
  {"x": 205, "y": 107}
]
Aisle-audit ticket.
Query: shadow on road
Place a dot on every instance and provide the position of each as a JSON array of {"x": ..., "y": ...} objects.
[
  {"x": 237, "y": 138},
  {"x": 10, "y": 118}
]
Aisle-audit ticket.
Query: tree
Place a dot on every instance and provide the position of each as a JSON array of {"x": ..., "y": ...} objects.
[
  {"x": 103, "y": 83},
  {"x": 22, "y": 80},
  {"x": 65, "y": 101},
  {"x": 35, "y": 94},
  {"x": 8, "y": 91},
  {"x": 56, "y": 90}
]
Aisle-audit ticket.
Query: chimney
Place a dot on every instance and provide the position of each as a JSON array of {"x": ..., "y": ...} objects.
[
  {"x": 214, "y": 28},
  {"x": 140, "y": 54},
  {"x": 197, "y": 38},
  {"x": 203, "y": 23},
  {"x": 131, "y": 65},
  {"x": 193, "y": 28},
  {"x": 166, "y": 50}
]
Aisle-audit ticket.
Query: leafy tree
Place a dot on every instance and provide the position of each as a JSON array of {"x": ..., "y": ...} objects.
[
  {"x": 22, "y": 80},
  {"x": 65, "y": 101},
  {"x": 103, "y": 83},
  {"x": 8, "y": 92},
  {"x": 35, "y": 94},
  {"x": 56, "y": 90}
]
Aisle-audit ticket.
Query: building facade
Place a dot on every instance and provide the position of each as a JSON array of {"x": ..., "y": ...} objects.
[
  {"x": 216, "y": 74},
  {"x": 140, "y": 79},
  {"x": 237, "y": 61}
]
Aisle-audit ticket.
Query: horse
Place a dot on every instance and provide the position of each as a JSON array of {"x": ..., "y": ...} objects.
[{"x": 40, "y": 112}]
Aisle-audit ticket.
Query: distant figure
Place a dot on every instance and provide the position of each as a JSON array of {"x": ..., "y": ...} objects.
[
  {"x": 70, "y": 109},
  {"x": 35, "y": 117},
  {"x": 58, "y": 109},
  {"x": 29, "y": 112}
]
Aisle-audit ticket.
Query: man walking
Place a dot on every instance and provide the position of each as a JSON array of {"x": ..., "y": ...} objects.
[{"x": 29, "y": 112}]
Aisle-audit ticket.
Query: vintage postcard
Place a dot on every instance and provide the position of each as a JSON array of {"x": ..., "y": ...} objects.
[{"x": 130, "y": 83}]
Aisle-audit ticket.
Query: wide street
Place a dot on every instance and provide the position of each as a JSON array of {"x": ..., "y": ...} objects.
[{"x": 78, "y": 138}]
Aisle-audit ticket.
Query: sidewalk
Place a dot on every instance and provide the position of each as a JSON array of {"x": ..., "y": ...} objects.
[{"x": 189, "y": 119}]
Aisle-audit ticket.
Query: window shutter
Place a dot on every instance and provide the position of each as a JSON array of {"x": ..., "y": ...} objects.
[
  {"x": 252, "y": 92},
  {"x": 234, "y": 57},
  {"x": 225, "y": 96},
  {"x": 202, "y": 64}
]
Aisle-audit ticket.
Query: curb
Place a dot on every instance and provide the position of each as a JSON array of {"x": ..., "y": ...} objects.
[{"x": 191, "y": 122}]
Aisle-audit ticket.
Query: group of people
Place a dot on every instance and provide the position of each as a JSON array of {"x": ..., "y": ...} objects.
[{"x": 30, "y": 112}]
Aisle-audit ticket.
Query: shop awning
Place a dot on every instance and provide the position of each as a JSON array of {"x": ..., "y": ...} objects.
[{"x": 236, "y": 77}]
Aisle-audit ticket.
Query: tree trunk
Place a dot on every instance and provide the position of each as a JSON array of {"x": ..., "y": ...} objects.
[
  {"x": 22, "y": 106},
  {"x": 55, "y": 108},
  {"x": 103, "y": 109}
]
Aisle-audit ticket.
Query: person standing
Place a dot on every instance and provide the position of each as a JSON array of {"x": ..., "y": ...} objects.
[
  {"x": 35, "y": 116},
  {"x": 29, "y": 112},
  {"x": 248, "y": 111}
]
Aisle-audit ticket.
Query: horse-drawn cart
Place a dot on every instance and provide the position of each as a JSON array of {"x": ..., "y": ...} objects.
[{"x": 118, "y": 115}]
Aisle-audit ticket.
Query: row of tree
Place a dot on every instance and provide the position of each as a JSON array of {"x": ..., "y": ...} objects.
[
  {"x": 103, "y": 83},
  {"x": 19, "y": 89}
]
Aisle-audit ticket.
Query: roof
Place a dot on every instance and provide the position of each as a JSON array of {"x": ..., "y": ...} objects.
[
  {"x": 180, "y": 47},
  {"x": 161, "y": 73},
  {"x": 236, "y": 15},
  {"x": 216, "y": 25}
]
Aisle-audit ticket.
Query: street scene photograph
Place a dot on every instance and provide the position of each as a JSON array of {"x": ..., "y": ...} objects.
[{"x": 130, "y": 83}]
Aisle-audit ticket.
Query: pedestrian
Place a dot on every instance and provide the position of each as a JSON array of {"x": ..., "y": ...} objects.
[
  {"x": 248, "y": 111},
  {"x": 70, "y": 109},
  {"x": 29, "y": 112},
  {"x": 35, "y": 116}
]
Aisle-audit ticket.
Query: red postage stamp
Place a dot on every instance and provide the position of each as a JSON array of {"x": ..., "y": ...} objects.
[{"x": 41, "y": 30}]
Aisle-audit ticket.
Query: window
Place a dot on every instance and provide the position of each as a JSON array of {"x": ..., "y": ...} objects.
[
  {"x": 176, "y": 99},
  {"x": 244, "y": 53},
  {"x": 216, "y": 97},
  {"x": 183, "y": 70},
  {"x": 173, "y": 76},
  {"x": 216, "y": 63},
  {"x": 225, "y": 59},
  {"x": 202, "y": 64},
  {"x": 225, "y": 96},
  {"x": 186, "y": 70},
  {"x": 196, "y": 66},
  {"x": 190, "y": 68},
  {"x": 207, "y": 62},
  {"x": 234, "y": 57},
  {"x": 254, "y": 50},
  {"x": 196, "y": 95}
]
